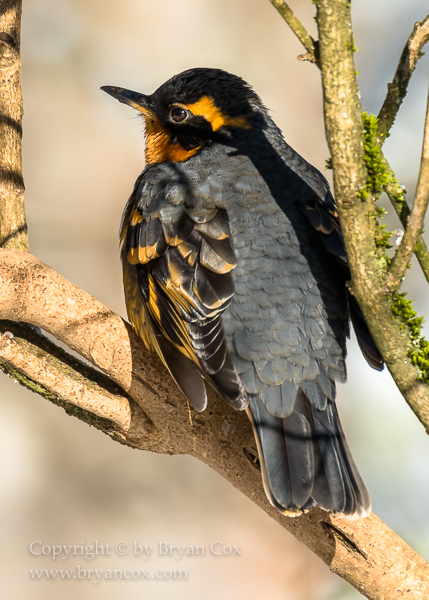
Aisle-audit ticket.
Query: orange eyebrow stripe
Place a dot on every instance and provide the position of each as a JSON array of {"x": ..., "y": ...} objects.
[{"x": 205, "y": 107}]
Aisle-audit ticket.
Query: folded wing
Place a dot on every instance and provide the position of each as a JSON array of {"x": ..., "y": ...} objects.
[{"x": 180, "y": 258}]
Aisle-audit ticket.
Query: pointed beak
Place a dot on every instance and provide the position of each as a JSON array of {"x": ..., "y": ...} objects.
[{"x": 133, "y": 99}]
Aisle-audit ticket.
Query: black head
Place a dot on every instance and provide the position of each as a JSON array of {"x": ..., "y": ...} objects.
[
  {"x": 191, "y": 110},
  {"x": 228, "y": 94}
]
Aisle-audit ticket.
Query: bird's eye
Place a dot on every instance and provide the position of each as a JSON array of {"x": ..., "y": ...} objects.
[{"x": 178, "y": 114}]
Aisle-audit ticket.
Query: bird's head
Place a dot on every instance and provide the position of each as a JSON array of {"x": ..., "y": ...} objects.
[{"x": 191, "y": 110}]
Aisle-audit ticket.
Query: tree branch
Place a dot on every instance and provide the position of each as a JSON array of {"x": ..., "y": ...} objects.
[
  {"x": 299, "y": 30},
  {"x": 343, "y": 113},
  {"x": 415, "y": 223},
  {"x": 13, "y": 225},
  {"x": 362, "y": 551},
  {"x": 344, "y": 124},
  {"x": 397, "y": 90},
  {"x": 63, "y": 381},
  {"x": 397, "y": 198}
]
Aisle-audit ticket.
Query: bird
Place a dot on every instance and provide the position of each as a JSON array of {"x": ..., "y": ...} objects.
[{"x": 235, "y": 274}]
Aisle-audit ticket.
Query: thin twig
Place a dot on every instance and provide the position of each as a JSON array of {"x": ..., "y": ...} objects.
[
  {"x": 404, "y": 71},
  {"x": 415, "y": 224},
  {"x": 299, "y": 30},
  {"x": 395, "y": 193},
  {"x": 397, "y": 90}
]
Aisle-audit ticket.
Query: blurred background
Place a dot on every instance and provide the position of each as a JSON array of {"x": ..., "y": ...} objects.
[{"x": 66, "y": 484}]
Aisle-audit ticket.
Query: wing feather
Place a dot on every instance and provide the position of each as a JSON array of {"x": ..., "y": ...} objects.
[{"x": 181, "y": 258}]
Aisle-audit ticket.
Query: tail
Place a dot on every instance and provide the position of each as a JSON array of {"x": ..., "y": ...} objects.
[{"x": 306, "y": 461}]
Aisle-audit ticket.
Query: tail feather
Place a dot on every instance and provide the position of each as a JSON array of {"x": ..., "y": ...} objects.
[
  {"x": 296, "y": 430},
  {"x": 332, "y": 489},
  {"x": 306, "y": 461},
  {"x": 362, "y": 502}
]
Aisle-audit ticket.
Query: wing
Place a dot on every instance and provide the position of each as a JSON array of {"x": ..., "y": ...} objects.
[
  {"x": 323, "y": 217},
  {"x": 177, "y": 261}
]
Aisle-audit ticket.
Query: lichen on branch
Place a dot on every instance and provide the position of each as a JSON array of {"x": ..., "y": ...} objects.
[{"x": 419, "y": 346}]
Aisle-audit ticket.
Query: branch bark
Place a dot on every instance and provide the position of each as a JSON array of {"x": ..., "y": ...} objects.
[
  {"x": 13, "y": 224},
  {"x": 404, "y": 71},
  {"x": 299, "y": 30},
  {"x": 344, "y": 132},
  {"x": 366, "y": 553},
  {"x": 397, "y": 90},
  {"x": 415, "y": 223},
  {"x": 397, "y": 199},
  {"x": 63, "y": 381}
]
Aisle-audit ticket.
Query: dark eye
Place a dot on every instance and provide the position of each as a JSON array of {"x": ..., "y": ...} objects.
[{"x": 178, "y": 114}]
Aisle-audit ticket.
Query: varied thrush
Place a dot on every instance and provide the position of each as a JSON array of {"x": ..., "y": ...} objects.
[{"x": 235, "y": 273}]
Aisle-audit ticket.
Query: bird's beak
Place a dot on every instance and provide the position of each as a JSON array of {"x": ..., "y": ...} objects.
[{"x": 133, "y": 99}]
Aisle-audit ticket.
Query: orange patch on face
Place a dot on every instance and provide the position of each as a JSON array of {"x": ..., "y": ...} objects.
[
  {"x": 158, "y": 143},
  {"x": 205, "y": 107}
]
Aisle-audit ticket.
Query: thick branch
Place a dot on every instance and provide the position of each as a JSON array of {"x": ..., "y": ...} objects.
[
  {"x": 299, "y": 30},
  {"x": 13, "y": 225},
  {"x": 343, "y": 113},
  {"x": 415, "y": 223},
  {"x": 397, "y": 90},
  {"x": 344, "y": 133},
  {"x": 365, "y": 552}
]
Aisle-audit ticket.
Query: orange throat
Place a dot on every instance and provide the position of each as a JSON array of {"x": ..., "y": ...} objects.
[{"x": 159, "y": 147}]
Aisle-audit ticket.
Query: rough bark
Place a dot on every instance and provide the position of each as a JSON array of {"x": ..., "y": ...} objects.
[
  {"x": 13, "y": 225},
  {"x": 344, "y": 132},
  {"x": 398, "y": 88}
]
